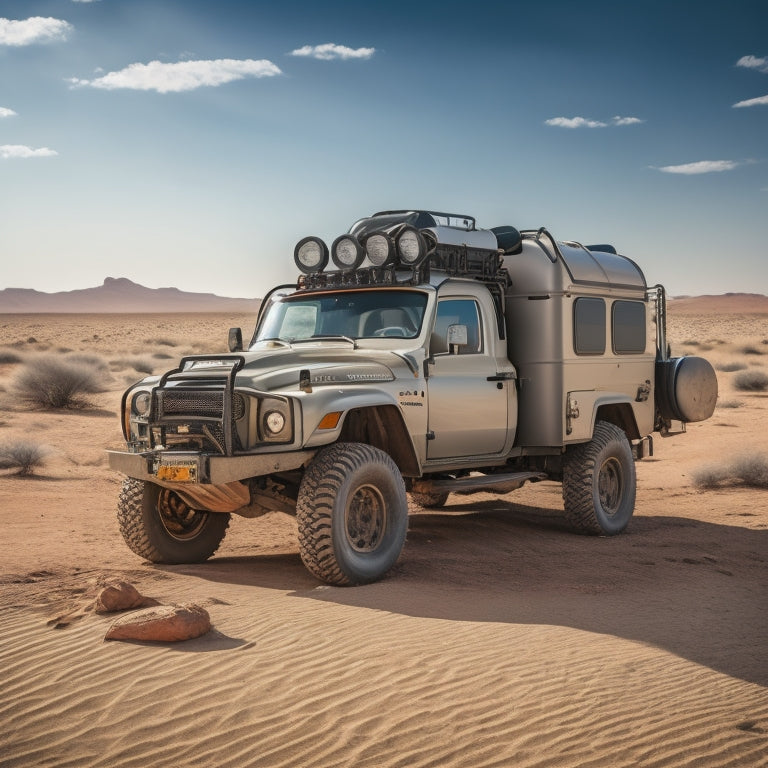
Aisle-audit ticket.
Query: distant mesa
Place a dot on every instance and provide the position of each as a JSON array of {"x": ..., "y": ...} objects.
[
  {"x": 118, "y": 295},
  {"x": 720, "y": 304}
]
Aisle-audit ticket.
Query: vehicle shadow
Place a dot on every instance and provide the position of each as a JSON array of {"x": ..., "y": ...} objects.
[{"x": 693, "y": 588}]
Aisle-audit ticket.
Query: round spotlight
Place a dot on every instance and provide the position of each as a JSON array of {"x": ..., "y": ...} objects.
[
  {"x": 411, "y": 246},
  {"x": 310, "y": 255},
  {"x": 347, "y": 253},
  {"x": 380, "y": 249}
]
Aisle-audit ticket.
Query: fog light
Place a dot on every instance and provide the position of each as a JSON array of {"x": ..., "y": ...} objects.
[
  {"x": 411, "y": 246},
  {"x": 275, "y": 422},
  {"x": 141, "y": 403},
  {"x": 310, "y": 255},
  {"x": 380, "y": 249},
  {"x": 347, "y": 253}
]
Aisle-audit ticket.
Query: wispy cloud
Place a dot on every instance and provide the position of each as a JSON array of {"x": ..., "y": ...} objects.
[
  {"x": 702, "y": 166},
  {"x": 754, "y": 62},
  {"x": 329, "y": 51},
  {"x": 5, "y": 112},
  {"x": 9, "y": 151},
  {"x": 36, "y": 29},
  {"x": 760, "y": 100},
  {"x": 180, "y": 76},
  {"x": 583, "y": 122}
]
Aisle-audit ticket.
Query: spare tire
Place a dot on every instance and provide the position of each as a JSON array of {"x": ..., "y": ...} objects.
[{"x": 686, "y": 388}]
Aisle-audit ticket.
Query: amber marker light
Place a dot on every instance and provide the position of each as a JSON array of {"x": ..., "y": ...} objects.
[{"x": 330, "y": 420}]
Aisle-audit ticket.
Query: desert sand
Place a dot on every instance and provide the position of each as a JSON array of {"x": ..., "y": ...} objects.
[{"x": 499, "y": 638}]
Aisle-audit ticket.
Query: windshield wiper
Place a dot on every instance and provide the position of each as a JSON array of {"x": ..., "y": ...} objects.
[{"x": 327, "y": 337}]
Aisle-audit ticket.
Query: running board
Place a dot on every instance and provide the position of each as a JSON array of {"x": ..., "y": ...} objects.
[{"x": 500, "y": 483}]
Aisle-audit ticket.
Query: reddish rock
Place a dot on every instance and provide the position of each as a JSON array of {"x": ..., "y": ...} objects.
[
  {"x": 120, "y": 596},
  {"x": 162, "y": 624}
]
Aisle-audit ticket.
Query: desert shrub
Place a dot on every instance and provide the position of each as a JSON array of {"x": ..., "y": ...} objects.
[
  {"x": 750, "y": 470},
  {"x": 53, "y": 382},
  {"x": 709, "y": 476},
  {"x": 161, "y": 342},
  {"x": 139, "y": 364},
  {"x": 748, "y": 349},
  {"x": 751, "y": 381},
  {"x": 9, "y": 357},
  {"x": 162, "y": 356},
  {"x": 731, "y": 367},
  {"x": 23, "y": 456},
  {"x": 89, "y": 361},
  {"x": 729, "y": 403}
]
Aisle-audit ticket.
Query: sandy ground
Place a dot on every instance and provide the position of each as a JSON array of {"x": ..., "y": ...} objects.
[{"x": 499, "y": 639}]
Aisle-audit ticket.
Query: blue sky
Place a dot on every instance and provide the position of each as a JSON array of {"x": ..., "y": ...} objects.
[{"x": 191, "y": 144}]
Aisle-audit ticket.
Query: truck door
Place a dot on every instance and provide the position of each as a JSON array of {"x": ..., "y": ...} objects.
[{"x": 467, "y": 400}]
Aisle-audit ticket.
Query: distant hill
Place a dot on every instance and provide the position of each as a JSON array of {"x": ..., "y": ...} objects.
[
  {"x": 720, "y": 304},
  {"x": 120, "y": 295}
]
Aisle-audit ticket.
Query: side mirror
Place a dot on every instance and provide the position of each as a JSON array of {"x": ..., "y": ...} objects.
[
  {"x": 458, "y": 336},
  {"x": 235, "y": 340}
]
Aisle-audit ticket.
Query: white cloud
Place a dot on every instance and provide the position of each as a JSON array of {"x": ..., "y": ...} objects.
[
  {"x": 329, "y": 51},
  {"x": 37, "y": 29},
  {"x": 180, "y": 76},
  {"x": 583, "y": 122},
  {"x": 702, "y": 166},
  {"x": 626, "y": 120},
  {"x": 5, "y": 112},
  {"x": 574, "y": 122},
  {"x": 8, "y": 151},
  {"x": 753, "y": 62},
  {"x": 751, "y": 102}
]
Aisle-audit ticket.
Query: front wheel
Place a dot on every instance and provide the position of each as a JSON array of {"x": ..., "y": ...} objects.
[
  {"x": 160, "y": 527},
  {"x": 599, "y": 482},
  {"x": 352, "y": 514}
]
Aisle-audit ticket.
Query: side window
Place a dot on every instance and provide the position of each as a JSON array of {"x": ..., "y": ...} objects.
[
  {"x": 589, "y": 326},
  {"x": 457, "y": 312},
  {"x": 628, "y": 324}
]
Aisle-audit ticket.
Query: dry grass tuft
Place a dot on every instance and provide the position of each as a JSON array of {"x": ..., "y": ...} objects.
[
  {"x": 23, "y": 456},
  {"x": 748, "y": 470},
  {"x": 729, "y": 404},
  {"x": 162, "y": 342},
  {"x": 731, "y": 367},
  {"x": 9, "y": 357},
  {"x": 751, "y": 381},
  {"x": 45, "y": 381},
  {"x": 748, "y": 349}
]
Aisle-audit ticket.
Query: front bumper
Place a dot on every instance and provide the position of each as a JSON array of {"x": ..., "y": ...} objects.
[{"x": 162, "y": 467}]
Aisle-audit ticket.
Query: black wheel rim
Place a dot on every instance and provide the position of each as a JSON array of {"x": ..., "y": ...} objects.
[
  {"x": 178, "y": 518},
  {"x": 610, "y": 486},
  {"x": 365, "y": 519}
]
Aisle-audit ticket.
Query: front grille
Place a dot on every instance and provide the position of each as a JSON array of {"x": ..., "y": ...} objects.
[{"x": 181, "y": 402}]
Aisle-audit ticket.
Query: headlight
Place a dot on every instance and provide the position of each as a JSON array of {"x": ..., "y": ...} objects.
[
  {"x": 141, "y": 403},
  {"x": 347, "y": 253},
  {"x": 380, "y": 249},
  {"x": 311, "y": 255},
  {"x": 411, "y": 246},
  {"x": 275, "y": 422}
]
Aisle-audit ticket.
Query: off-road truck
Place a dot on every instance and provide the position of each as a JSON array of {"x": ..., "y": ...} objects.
[{"x": 430, "y": 357}]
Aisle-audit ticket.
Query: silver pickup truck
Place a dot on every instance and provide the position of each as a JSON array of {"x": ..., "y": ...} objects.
[{"x": 418, "y": 355}]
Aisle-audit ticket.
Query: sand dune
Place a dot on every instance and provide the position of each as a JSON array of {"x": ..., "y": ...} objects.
[{"x": 499, "y": 639}]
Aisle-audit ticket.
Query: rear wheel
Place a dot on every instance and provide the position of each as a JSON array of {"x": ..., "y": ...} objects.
[
  {"x": 160, "y": 527},
  {"x": 599, "y": 482},
  {"x": 352, "y": 514}
]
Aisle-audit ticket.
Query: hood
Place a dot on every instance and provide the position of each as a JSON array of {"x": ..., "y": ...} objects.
[{"x": 278, "y": 369}]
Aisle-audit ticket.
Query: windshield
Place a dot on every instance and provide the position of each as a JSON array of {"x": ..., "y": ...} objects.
[{"x": 349, "y": 314}]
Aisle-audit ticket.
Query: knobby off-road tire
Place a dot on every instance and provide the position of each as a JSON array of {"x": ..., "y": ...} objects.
[
  {"x": 599, "y": 482},
  {"x": 352, "y": 514},
  {"x": 158, "y": 526}
]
